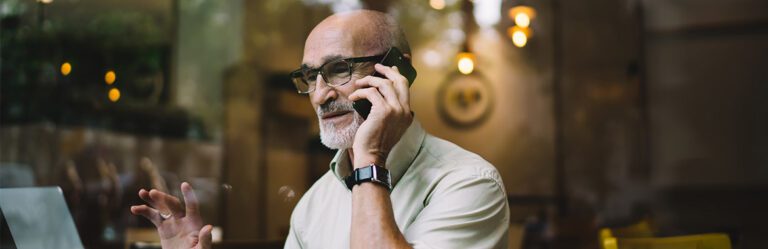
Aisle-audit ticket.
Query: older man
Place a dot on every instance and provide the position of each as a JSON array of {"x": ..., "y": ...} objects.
[{"x": 408, "y": 189}]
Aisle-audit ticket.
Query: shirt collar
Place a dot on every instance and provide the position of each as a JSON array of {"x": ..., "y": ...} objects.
[{"x": 398, "y": 161}]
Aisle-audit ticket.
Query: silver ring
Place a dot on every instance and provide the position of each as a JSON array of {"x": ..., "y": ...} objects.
[{"x": 165, "y": 216}]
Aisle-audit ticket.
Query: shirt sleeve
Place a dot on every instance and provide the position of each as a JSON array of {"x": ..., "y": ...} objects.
[
  {"x": 463, "y": 212},
  {"x": 292, "y": 241}
]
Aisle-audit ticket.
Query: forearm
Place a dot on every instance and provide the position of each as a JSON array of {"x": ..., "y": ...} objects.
[{"x": 373, "y": 221}]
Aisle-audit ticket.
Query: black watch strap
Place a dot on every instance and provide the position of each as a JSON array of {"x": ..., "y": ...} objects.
[{"x": 370, "y": 173}]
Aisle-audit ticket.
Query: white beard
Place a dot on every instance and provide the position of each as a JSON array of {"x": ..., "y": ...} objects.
[{"x": 338, "y": 136}]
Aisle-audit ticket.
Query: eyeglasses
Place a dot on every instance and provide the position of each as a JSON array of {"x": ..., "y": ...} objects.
[{"x": 335, "y": 73}]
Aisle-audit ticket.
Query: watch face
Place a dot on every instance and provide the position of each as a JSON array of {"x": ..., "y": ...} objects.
[
  {"x": 371, "y": 173},
  {"x": 365, "y": 173}
]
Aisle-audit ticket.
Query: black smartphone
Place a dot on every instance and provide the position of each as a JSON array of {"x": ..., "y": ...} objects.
[{"x": 393, "y": 57}]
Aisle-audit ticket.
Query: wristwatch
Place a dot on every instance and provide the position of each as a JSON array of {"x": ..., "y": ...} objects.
[{"x": 370, "y": 173}]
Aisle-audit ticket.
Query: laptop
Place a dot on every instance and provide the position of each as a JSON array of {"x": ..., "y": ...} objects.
[{"x": 36, "y": 218}]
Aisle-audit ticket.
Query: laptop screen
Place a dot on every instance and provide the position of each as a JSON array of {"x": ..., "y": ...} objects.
[{"x": 37, "y": 218}]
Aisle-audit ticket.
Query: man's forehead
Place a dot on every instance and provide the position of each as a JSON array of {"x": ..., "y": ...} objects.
[
  {"x": 318, "y": 52},
  {"x": 331, "y": 39},
  {"x": 323, "y": 60}
]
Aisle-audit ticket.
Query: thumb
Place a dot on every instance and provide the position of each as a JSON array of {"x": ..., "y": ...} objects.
[{"x": 205, "y": 237}]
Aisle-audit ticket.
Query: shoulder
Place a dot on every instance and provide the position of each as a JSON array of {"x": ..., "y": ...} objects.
[
  {"x": 461, "y": 191},
  {"x": 445, "y": 170},
  {"x": 457, "y": 163}
]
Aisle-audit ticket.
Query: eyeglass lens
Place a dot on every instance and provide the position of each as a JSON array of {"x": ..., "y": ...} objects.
[{"x": 334, "y": 73}]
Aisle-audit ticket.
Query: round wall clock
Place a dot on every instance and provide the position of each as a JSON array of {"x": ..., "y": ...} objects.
[{"x": 465, "y": 101}]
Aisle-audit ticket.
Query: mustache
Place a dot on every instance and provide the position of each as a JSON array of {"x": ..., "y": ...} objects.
[{"x": 334, "y": 106}]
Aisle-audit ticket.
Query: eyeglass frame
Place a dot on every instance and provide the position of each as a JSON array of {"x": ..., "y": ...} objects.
[{"x": 298, "y": 73}]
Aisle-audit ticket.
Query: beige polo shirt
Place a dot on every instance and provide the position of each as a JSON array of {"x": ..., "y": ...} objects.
[{"x": 443, "y": 197}]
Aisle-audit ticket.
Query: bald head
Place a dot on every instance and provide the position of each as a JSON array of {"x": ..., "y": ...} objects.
[{"x": 355, "y": 33}]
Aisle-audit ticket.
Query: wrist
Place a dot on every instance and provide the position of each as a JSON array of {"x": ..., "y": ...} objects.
[
  {"x": 360, "y": 164},
  {"x": 367, "y": 159},
  {"x": 369, "y": 174}
]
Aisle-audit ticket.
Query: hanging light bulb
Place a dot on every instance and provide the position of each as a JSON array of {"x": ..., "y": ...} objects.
[
  {"x": 522, "y": 15},
  {"x": 66, "y": 68},
  {"x": 437, "y": 4},
  {"x": 519, "y": 39},
  {"x": 521, "y": 32},
  {"x": 466, "y": 62},
  {"x": 522, "y": 20},
  {"x": 519, "y": 35},
  {"x": 114, "y": 94},
  {"x": 110, "y": 77}
]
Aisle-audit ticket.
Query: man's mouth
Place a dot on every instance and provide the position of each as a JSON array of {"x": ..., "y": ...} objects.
[{"x": 334, "y": 114}]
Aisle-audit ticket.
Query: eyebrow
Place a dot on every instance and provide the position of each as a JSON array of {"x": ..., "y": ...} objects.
[{"x": 325, "y": 59}]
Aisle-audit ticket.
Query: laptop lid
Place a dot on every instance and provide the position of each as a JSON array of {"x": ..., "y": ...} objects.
[{"x": 38, "y": 218}]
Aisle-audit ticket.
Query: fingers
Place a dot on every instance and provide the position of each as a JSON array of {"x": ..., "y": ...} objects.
[
  {"x": 400, "y": 83},
  {"x": 150, "y": 213},
  {"x": 394, "y": 88},
  {"x": 373, "y": 95},
  {"x": 144, "y": 195},
  {"x": 190, "y": 199},
  {"x": 384, "y": 86},
  {"x": 166, "y": 203},
  {"x": 159, "y": 200},
  {"x": 205, "y": 237}
]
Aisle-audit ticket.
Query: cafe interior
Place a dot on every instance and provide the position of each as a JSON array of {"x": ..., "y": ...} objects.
[{"x": 614, "y": 124}]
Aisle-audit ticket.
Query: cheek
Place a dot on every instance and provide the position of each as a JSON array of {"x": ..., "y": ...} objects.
[
  {"x": 312, "y": 101},
  {"x": 347, "y": 89}
]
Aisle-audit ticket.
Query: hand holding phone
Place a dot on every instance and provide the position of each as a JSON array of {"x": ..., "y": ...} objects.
[{"x": 393, "y": 57}]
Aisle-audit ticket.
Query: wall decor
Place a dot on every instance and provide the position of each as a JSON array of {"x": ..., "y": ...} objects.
[{"x": 465, "y": 101}]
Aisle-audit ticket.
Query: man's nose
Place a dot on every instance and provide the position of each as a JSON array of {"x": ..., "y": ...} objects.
[{"x": 323, "y": 92}]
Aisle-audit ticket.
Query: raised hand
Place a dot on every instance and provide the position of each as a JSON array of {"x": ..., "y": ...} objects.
[
  {"x": 178, "y": 227},
  {"x": 389, "y": 118}
]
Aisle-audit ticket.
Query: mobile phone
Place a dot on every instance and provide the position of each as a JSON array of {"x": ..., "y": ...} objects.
[{"x": 393, "y": 57}]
